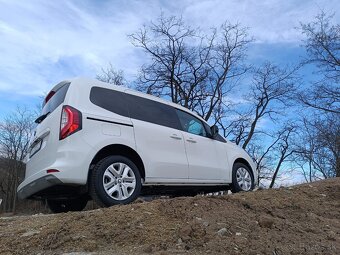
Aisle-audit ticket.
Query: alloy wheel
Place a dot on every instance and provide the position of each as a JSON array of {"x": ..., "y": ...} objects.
[
  {"x": 243, "y": 179},
  {"x": 119, "y": 181}
]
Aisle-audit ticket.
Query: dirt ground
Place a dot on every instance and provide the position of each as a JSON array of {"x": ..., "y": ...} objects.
[{"x": 303, "y": 219}]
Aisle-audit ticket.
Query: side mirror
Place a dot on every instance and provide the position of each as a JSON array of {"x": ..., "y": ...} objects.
[{"x": 214, "y": 131}]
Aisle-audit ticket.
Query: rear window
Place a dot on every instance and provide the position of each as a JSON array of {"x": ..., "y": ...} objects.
[{"x": 56, "y": 100}]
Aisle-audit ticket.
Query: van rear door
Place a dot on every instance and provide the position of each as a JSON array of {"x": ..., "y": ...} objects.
[{"x": 46, "y": 132}]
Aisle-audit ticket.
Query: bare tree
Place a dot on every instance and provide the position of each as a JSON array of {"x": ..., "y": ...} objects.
[
  {"x": 190, "y": 68},
  {"x": 323, "y": 48},
  {"x": 269, "y": 156},
  {"x": 263, "y": 156},
  {"x": 319, "y": 147},
  {"x": 322, "y": 45},
  {"x": 284, "y": 149},
  {"x": 112, "y": 76},
  {"x": 271, "y": 92},
  {"x": 15, "y": 133},
  {"x": 272, "y": 89},
  {"x": 236, "y": 128},
  {"x": 306, "y": 148},
  {"x": 323, "y": 96}
]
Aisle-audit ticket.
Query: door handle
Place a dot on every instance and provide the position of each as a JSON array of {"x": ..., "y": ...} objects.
[
  {"x": 190, "y": 140},
  {"x": 176, "y": 137}
]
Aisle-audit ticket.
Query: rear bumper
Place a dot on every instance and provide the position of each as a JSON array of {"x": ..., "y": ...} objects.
[{"x": 27, "y": 190}]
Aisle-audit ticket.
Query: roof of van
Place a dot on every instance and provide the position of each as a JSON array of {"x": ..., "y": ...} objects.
[{"x": 92, "y": 82}]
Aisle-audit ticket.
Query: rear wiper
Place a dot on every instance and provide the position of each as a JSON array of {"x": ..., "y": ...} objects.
[{"x": 42, "y": 117}]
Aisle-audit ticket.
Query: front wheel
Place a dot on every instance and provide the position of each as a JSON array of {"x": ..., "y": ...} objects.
[
  {"x": 67, "y": 205},
  {"x": 115, "y": 180},
  {"x": 243, "y": 179}
]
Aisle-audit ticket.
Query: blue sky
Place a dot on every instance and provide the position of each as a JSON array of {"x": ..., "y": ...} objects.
[{"x": 44, "y": 42}]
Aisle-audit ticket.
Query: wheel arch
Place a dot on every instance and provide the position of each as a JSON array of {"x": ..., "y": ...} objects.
[{"x": 122, "y": 150}]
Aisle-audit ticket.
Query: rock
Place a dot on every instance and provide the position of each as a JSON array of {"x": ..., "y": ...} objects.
[
  {"x": 266, "y": 222},
  {"x": 148, "y": 249},
  {"x": 78, "y": 237},
  {"x": 222, "y": 232},
  {"x": 185, "y": 233},
  {"x": 30, "y": 233},
  {"x": 205, "y": 224},
  {"x": 312, "y": 215}
]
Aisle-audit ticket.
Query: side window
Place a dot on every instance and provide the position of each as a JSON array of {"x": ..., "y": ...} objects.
[
  {"x": 191, "y": 124},
  {"x": 111, "y": 100},
  {"x": 152, "y": 111}
]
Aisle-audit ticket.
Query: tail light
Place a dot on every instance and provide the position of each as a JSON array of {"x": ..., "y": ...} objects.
[
  {"x": 51, "y": 171},
  {"x": 71, "y": 121}
]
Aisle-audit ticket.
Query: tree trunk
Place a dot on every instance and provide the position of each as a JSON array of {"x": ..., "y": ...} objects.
[
  {"x": 250, "y": 135},
  {"x": 276, "y": 172}
]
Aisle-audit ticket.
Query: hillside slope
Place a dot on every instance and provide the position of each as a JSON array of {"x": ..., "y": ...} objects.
[{"x": 303, "y": 219}]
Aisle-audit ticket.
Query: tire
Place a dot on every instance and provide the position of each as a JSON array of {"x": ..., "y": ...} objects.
[
  {"x": 115, "y": 180},
  {"x": 243, "y": 179},
  {"x": 69, "y": 205}
]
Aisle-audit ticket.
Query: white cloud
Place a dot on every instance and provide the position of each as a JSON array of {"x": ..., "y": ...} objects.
[
  {"x": 39, "y": 40},
  {"x": 271, "y": 21},
  {"x": 43, "y": 42}
]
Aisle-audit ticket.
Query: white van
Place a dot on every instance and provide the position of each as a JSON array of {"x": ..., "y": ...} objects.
[{"x": 111, "y": 144}]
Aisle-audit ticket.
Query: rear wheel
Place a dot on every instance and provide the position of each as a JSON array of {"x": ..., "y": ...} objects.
[
  {"x": 243, "y": 179},
  {"x": 115, "y": 180},
  {"x": 67, "y": 205}
]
